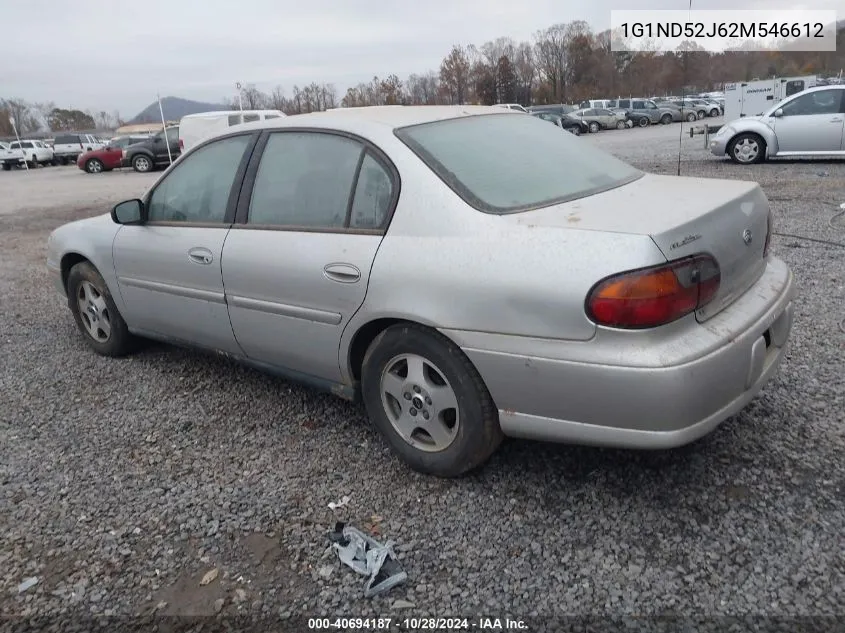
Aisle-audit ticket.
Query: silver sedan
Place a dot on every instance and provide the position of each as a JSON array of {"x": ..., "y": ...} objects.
[
  {"x": 404, "y": 256},
  {"x": 809, "y": 123}
]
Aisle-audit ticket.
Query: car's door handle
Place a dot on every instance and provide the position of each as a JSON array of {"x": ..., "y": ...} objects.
[
  {"x": 342, "y": 273},
  {"x": 200, "y": 255}
]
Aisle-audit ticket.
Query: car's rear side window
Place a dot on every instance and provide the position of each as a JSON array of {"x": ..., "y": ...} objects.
[
  {"x": 501, "y": 163},
  {"x": 65, "y": 140}
]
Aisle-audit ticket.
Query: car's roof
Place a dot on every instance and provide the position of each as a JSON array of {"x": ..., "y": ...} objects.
[
  {"x": 387, "y": 117},
  {"x": 218, "y": 113}
]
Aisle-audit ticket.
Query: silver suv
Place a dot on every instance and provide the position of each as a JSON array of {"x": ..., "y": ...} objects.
[{"x": 641, "y": 110}]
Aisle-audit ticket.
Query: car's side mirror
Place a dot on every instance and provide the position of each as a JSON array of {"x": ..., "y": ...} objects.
[
  {"x": 129, "y": 212},
  {"x": 778, "y": 113}
]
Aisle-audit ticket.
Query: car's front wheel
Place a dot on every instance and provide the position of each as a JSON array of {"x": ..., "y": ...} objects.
[
  {"x": 95, "y": 313},
  {"x": 621, "y": 125},
  {"x": 666, "y": 119},
  {"x": 428, "y": 401},
  {"x": 94, "y": 166},
  {"x": 714, "y": 112},
  {"x": 747, "y": 148},
  {"x": 142, "y": 163},
  {"x": 691, "y": 117},
  {"x": 594, "y": 127},
  {"x": 644, "y": 121}
]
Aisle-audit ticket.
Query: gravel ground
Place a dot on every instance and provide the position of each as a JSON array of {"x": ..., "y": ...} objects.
[{"x": 124, "y": 482}]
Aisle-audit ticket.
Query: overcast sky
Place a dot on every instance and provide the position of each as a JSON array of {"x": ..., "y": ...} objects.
[{"x": 115, "y": 54}]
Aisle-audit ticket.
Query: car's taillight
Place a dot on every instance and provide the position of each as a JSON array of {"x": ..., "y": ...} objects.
[
  {"x": 770, "y": 226},
  {"x": 181, "y": 144},
  {"x": 654, "y": 296}
]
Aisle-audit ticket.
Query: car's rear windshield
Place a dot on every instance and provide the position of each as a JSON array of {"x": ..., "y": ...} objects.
[{"x": 505, "y": 163}]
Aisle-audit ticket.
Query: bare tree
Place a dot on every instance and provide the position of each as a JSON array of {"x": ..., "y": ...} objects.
[{"x": 454, "y": 74}]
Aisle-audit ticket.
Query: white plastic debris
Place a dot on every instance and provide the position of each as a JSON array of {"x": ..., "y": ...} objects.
[
  {"x": 368, "y": 557},
  {"x": 334, "y": 505},
  {"x": 29, "y": 583}
]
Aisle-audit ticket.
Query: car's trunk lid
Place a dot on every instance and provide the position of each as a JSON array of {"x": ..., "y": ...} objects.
[{"x": 727, "y": 219}]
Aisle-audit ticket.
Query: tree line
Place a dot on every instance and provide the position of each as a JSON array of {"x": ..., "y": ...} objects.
[
  {"x": 565, "y": 63},
  {"x": 33, "y": 118}
]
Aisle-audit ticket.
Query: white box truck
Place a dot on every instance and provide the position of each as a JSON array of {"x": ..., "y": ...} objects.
[
  {"x": 750, "y": 98},
  {"x": 194, "y": 128}
]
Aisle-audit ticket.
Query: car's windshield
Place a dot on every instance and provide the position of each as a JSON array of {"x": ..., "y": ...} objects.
[{"x": 502, "y": 163}]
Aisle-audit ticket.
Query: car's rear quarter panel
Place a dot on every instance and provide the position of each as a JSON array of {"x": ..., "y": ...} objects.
[{"x": 444, "y": 264}]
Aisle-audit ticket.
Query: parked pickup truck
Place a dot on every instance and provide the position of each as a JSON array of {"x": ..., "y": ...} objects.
[
  {"x": 33, "y": 153},
  {"x": 68, "y": 147}
]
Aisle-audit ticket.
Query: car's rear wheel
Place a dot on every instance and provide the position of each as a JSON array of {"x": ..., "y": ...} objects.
[
  {"x": 594, "y": 127},
  {"x": 32, "y": 162},
  {"x": 95, "y": 313},
  {"x": 142, "y": 163},
  {"x": 691, "y": 117},
  {"x": 644, "y": 121},
  {"x": 747, "y": 148},
  {"x": 714, "y": 112},
  {"x": 94, "y": 166},
  {"x": 576, "y": 130},
  {"x": 701, "y": 114},
  {"x": 428, "y": 401},
  {"x": 666, "y": 119},
  {"x": 7, "y": 166},
  {"x": 620, "y": 125}
]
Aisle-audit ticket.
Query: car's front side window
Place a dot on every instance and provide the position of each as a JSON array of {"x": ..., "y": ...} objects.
[
  {"x": 172, "y": 135},
  {"x": 820, "y": 102},
  {"x": 305, "y": 180},
  {"x": 197, "y": 190}
]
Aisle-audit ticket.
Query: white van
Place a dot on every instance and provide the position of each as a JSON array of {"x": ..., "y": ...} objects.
[
  {"x": 598, "y": 104},
  {"x": 194, "y": 128}
]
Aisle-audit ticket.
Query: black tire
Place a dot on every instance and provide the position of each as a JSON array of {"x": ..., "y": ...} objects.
[
  {"x": 33, "y": 163},
  {"x": 55, "y": 162},
  {"x": 644, "y": 121},
  {"x": 714, "y": 112},
  {"x": 142, "y": 163},
  {"x": 7, "y": 166},
  {"x": 666, "y": 119},
  {"x": 94, "y": 166},
  {"x": 747, "y": 158},
  {"x": 120, "y": 341},
  {"x": 621, "y": 125},
  {"x": 691, "y": 117},
  {"x": 594, "y": 127},
  {"x": 701, "y": 114},
  {"x": 576, "y": 130},
  {"x": 478, "y": 433}
]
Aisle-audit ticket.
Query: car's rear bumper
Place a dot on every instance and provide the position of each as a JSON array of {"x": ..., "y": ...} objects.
[{"x": 658, "y": 399}]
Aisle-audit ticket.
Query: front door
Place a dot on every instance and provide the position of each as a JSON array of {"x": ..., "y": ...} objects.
[
  {"x": 296, "y": 268},
  {"x": 811, "y": 122},
  {"x": 168, "y": 269}
]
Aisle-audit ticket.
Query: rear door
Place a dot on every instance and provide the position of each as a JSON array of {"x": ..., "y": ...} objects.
[
  {"x": 297, "y": 263},
  {"x": 169, "y": 269}
]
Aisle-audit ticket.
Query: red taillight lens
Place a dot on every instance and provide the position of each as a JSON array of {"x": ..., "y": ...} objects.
[
  {"x": 654, "y": 296},
  {"x": 181, "y": 144},
  {"x": 770, "y": 226}
]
